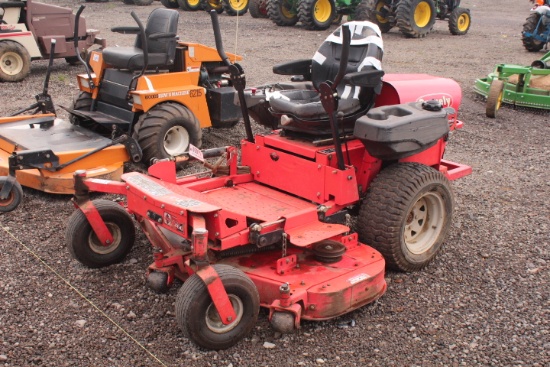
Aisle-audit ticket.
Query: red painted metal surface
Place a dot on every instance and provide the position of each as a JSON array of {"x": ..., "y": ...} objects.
[
  {"x": 96, "y": 222},
  {"x": 218, "y": 294}
]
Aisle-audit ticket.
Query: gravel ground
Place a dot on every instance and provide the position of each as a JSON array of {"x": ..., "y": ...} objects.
[{"x": 484, "y": 301}]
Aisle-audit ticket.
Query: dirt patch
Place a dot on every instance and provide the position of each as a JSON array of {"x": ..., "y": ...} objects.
[{"x": 483, "y": 301}]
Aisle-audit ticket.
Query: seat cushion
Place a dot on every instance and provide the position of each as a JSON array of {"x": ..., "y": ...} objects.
[{"x": 132, "y": 58}]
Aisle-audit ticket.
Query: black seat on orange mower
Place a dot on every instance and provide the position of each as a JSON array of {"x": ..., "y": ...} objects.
[
  {"x": 161, "y": 29},
  {"x": 301, "y": 109}
]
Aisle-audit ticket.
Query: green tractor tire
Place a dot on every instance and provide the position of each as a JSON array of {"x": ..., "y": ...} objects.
[
  {"x": 282, "y": 12},
  {"x": 530, "y": 25},
  {"x": 317, "y": 14},
  {"x": 190, "y": 5},
  {"x": 170, "y": 4},
  {"x": 459, "y": 21},
  {"x": 212, "y": 5},
  {"x": 235, "y": 7},
  {"x": 374, "y": 11},
  {"x": 415, "y": 18}
]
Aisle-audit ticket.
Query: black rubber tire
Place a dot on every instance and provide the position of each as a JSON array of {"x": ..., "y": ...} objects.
[
  {"x": 494, "y": 98},
  {"x": 143, "y": 2},
  {"x": 128, "y": 2},
  {"x": 257, "y": 8},
  {"x": 405, "y": 18},
  {"x": 367, "y": 10},
  {"x": 212, "y": 5},
  {"x": 260, "y": 113},
  {"x": 151, "y": 129},
  {"x": 310, "y": 13},
  {"x": 403, "y": 197},
  {"x": 81, "y": 239},
  {"x": 460, "y": 21},
  {"x": 193, "y": 304},
  {"x": 530, "y": 25},
  {"x": 185, "y": 5},
  {"x": 14, "y": 198},
  {"x": 280, "y": 13},
  {"x": 83, "y": 102},
  {"x": 235, "y": 7},
  {"x": 170, "y": 4},
  {"x": 13, "y": 53}
]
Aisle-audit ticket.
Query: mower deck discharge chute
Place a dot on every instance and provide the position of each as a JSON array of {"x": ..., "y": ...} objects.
[{"x": 274, "y": 231}]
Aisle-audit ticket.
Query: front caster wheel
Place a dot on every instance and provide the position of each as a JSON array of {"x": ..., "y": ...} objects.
[
  {"x": 406, "y": 215},
  {"x": 198, "y": 318},
  {"x": 158, "y": 281},
  {"x": 83, "y": 243},
  {"x": 14, "y": 197}
]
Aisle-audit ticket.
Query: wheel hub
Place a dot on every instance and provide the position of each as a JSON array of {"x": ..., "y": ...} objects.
[
  {"x": 322, "y": 10},
  {"x": 424, "y": 223},
  {"x": 11, "y": 64},
  {"x": 214, "y": 322},
  {"x": 102, "y": 249},
  {"x": 422, "y": 14},
  {"x": 176, "y": 141}
]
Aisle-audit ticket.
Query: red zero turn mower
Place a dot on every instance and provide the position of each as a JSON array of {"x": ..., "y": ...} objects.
[{"x": 272, "y": 232}]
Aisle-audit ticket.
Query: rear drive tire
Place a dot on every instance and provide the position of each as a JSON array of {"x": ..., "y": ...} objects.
[
  {"x": 143, "y": 2},
  {"x": 199, "y": 319},
  {"x": 494, "y": 98},
  {"x": 316, "y": 14},
  {"x": 170, "y": 4},
  {"x": 415, "y": 18},
  {"x": 14, "y": 197},
  {"x": 460, "y": 21},
  {"x": 83, "y": 243},
  {"x": 166, "y": 130},
  {"x": 235, "y": 7},
  {"x": 128, "y": 2},
  {"x": 15, "y": 62},
  {"x": 406, "y": 215},
  {"x": 371, "y": 10},
  {"x": 282, "y": 13},
  {"x": 530, "y": 26},
  {"x": 190, "y": 5}
]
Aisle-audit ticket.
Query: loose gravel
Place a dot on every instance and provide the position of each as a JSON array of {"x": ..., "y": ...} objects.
[{"x": 484, "y": 301}]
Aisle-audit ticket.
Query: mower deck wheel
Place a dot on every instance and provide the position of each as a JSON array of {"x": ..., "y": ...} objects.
[
  {"x": 283, "y": 322},
  {"x": 374, "y": 11},
  {"x": 282, "y": 12},
  {"x": 166, "y": 130},
  {"x": 14, "y": 197},
  {"x": 406, "y": 215},
  {"x": 494, "y": 98},
  {"x": 415, "y": 18},
  {"x": 158, "y": 281},
  {"x": 459, "y": 21},
  {"x": 83, "y": 243},
  {"x": 170, "y": 4},
  {"x": 15, "y": 62},
  {"x": 235, "y": 7},
  {"x": 316, "y": 14},
  {"x": 200, "y": 321}
]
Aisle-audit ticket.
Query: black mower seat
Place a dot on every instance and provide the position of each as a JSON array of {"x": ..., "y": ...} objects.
[
  {"x": 160, "y": 31},
  {"x": 301, "y": 110}
]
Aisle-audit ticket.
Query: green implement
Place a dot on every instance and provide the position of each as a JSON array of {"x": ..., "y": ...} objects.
[{"x": 525, "y": 86}]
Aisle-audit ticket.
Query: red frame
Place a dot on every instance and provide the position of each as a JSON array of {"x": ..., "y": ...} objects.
[{"x": 291, "y": 185}]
